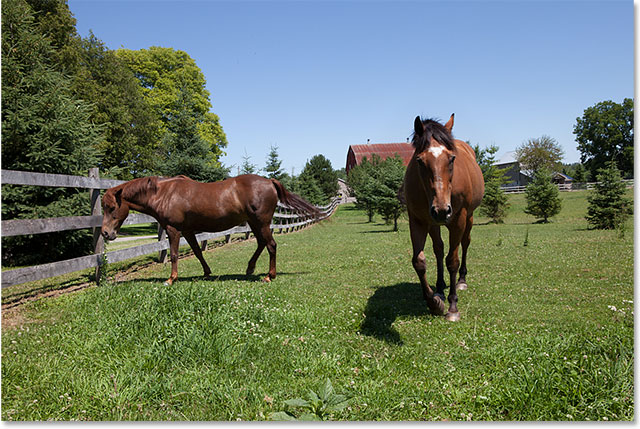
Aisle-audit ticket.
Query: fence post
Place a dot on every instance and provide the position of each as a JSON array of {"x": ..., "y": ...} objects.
[
  {"x": 162, "y": 234},
  {"x": 96, "y": 210}
]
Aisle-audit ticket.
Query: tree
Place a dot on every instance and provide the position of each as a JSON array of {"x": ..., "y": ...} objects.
[
  {"x": 536, "y": 154},
  {"x": 320, "y": 171},
  {"x": 272, "y": 168},
  {"x": 247, "y": 166},
  {"x": 604, "y": 133},
  {"x": 608, "y": 208},
  {"x": 542, "y": 196},
  {"x": 386, "y": 184},
  {"x": 184, "y": 149},
  {"x": 44, "y": 129},
  {"x": 495, "y": 202},
  {"x": 163, "y": 74},
  {"x": 359, "y": 182},
  {"x": 310, "y": 190},
  {"x": 131, "y": 130}
]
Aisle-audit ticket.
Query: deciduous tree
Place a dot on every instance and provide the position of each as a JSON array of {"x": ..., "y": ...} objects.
[
  {"x": 604, "y": 133},
  {"x": 536, "y": 154}
]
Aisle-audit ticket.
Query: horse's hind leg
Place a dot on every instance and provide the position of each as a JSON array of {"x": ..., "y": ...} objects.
[
  {"x": 251, "y": 267},
  {"x": 262, "y": 232},
  {"x": 466, "y": 239},
  {"x": 193, "y": 242}
]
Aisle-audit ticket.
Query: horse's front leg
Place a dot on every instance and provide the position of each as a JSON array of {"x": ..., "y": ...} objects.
[
  {"x": 438, "y": 250},
  {"x": 418, "y": 239},
  {"x": 174, "y": 244},
  {"x": 456, "y": 230}
]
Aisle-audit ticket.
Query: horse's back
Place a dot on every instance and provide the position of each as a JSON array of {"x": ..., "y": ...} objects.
[{"x": 215, "y": 206}]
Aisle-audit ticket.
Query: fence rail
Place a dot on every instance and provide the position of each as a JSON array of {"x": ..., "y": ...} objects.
[
  {"x": 288, "y": 220},
  {"x": 562, "y": 187}
]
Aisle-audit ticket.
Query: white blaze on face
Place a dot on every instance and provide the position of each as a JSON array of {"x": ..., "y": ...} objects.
[{"x": 436, "y": 151}]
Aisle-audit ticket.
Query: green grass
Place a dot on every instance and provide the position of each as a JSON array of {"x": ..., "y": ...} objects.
[{"x": 546, "y": 331}]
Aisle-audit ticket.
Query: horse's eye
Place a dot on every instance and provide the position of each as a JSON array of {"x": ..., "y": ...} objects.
[{"x": 453, "y": 157}]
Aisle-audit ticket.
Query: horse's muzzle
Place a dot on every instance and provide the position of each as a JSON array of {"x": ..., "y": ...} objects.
[
  {"x": 109, "y": 236},
  {"x": 440, "y": 215}
]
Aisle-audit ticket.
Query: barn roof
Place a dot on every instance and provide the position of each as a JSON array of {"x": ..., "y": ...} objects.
[{"x": 384, "y": 150}]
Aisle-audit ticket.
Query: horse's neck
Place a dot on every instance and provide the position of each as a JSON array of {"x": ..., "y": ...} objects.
[{"x": 141, "y": 202}]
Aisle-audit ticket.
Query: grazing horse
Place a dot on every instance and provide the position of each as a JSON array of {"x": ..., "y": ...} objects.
[
  {"x": 443, "y": 185},
  {"x": 182, "y": 205}
]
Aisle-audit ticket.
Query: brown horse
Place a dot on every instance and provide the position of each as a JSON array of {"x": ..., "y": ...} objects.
[
  {"x": 182, "y": 205},
  {"x": 443, "y": 185}
]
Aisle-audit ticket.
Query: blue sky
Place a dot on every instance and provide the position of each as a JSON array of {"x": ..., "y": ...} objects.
[{"x": 314, "y": 77}]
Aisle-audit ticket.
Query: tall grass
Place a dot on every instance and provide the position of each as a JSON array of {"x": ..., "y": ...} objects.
[{"x": 546, "y": 331}]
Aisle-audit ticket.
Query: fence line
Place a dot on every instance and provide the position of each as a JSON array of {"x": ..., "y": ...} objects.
[
  {"x": 563, "y": 186},
  {"x": 288, "y": 220}
]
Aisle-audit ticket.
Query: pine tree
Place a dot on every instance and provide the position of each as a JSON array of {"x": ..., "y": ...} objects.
[
  {"x": 388, "y": 181},
  {"x": 360, "y": 181},
  {"x": 44, "y": 129},
  {"x": 495, "y": 202},
  {"x": 542, "y": 196},
  {"x": 274, "y": 163},
  {"x": 247, "y": 166},
  {"x": 608, "y": 208},
  {"x": 319, "y": 170}
]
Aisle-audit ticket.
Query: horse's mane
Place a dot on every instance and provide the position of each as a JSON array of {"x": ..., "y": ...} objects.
[
  {"x": 432, "y": 130},
  {"x": 131, "y": 189},
  {"x": 136, "y": 187}
]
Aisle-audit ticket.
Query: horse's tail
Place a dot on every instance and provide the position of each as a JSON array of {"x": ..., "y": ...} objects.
[{"x": 294, "y": 201}]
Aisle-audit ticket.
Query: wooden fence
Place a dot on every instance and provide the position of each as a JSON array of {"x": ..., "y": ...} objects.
[
  {"x": 288, "y": 220},
  {"x": 562, "y": 187}
]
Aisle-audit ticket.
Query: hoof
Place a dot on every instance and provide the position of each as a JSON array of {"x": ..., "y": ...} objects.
[
  {"x": 452, "y": 317},
  {"x": 437, "y": 306},
  {"x": 266, "y": 279},
  {"x": 250, "y": 271},
  {"x": 462, "y": 286},
  {"x": 167, "y": 283}
]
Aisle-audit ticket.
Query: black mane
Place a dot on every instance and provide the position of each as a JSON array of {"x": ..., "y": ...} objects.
[{"x": 432, "y": 130}]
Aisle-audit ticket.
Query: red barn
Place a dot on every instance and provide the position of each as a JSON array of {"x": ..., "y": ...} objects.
[{"x": 383, "y": 150}]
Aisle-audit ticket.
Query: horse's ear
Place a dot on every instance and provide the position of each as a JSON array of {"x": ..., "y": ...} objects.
[
  {"x": 151, "y": 183},
  {"x": 449, "y": 124},
  {"x": 118, "y": 196},
  {"x": 418, "y": 127}
]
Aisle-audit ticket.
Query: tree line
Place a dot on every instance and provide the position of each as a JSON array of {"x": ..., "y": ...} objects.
[
  {"x": 605, "y": 139},
  {"x": 69, "y": 104}
]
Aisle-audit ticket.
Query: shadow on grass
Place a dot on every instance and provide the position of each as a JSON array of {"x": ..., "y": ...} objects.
[
  {"x": 213, "y": 278},
  {"x": 386, "y": 305}
]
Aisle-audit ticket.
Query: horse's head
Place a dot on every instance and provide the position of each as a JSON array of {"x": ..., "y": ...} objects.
[
  {"x": 435, "y": 153},
  {"x": 114, "y": 212}
]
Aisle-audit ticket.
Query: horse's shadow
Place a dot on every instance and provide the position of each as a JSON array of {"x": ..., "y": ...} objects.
[
  {"x": 386, "y": 304},
  {"x": 212, "y": 278}
]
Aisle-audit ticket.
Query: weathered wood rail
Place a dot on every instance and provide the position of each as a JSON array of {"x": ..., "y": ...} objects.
[{"x": 287, "y": 220}]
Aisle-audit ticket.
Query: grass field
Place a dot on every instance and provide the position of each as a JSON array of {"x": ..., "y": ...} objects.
[{"x": 546, "y": 331}]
